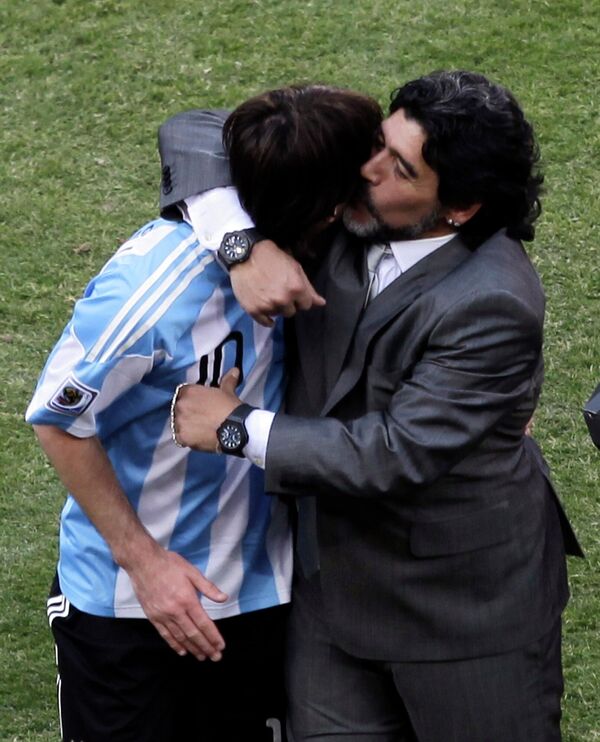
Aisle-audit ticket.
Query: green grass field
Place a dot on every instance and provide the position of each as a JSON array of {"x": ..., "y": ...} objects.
[{"x": 85, "y": 84}]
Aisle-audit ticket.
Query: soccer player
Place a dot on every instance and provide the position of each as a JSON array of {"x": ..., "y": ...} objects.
[{"x": 169, "y": 556}]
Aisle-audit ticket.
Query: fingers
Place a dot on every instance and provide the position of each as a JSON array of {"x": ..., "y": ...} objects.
[
  {"x": 302, "y": 299},
  {"x": 318, "y": 300},
  {"x": 300, "y": 294},
  {"x": 206, "y": 637},
  {"x": 263, "y": 319},
  {"x": 202, "y": 635},
  {"x": 230, "y": 380},
  {"x": 208, "y": 588},
  {"x": 198, "y": 635},
  {"x": 309, "y": 298},
  {"x": 288, "y": 311},
  {"x": 167, "y": 635}
]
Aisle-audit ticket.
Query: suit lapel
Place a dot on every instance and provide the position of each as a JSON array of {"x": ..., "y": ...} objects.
[
  {"x": 390, "y": 303},
  {"x": 324, "y": 334},
  {"x": 345, "y": 294}
]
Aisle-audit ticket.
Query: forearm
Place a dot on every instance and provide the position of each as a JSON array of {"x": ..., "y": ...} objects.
[
  {"x": 373, "y": 456},
  {"x": 167, "y": 585},
  {"x": 426, "y": 430},
  {"x": 367, "y": 457},
  {"x": 86, "y": 471},
  {"x": 472, "y": 375}
]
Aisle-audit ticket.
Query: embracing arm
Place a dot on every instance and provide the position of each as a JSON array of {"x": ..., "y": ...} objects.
[
  {"x": 165, "y": 583},
  {"x": 481, "y": 362},
  {"x": 193, "y": 161},
  {"x": 479, "y": 365}
]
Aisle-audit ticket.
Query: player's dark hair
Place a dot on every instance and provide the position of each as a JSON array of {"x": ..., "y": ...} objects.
[
  {"x": 481, "y": 147},
  {"x": 295, "y": 153}
]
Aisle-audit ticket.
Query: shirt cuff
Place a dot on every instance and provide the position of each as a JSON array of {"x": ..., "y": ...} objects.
[
  {"x": 214, "y": 213},
  {"x": 258, "y": 425}
]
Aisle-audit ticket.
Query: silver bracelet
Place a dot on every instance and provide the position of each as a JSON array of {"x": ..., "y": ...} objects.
[{"x": 173, "y": 403}]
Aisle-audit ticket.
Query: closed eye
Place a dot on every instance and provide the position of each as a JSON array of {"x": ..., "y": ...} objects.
[{"x": 399, "y": 171}]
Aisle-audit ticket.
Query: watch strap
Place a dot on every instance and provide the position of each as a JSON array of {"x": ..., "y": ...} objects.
[
  {"x": 252, "y": 236},
  {"x": 241, "y": 412},
  {"x": 236, "y": 417}
]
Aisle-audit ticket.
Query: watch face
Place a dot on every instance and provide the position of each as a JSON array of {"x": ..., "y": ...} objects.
[
  {"x": 235, "y": 246},
  {"x": 230, "y": 436}
]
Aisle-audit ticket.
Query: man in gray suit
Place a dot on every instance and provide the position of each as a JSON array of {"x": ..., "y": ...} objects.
[{"x": 431, "y": 546}]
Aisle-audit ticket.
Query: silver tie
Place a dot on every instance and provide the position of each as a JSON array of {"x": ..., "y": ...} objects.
[{"x": 376, "y": 254}]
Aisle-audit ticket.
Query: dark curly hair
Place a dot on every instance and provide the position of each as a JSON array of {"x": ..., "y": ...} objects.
[
  {"x": 296, "y": 152},
  {"x": 481, "y": 147}
]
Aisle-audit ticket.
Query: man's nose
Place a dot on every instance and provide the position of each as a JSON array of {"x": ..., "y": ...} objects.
[{"x": 373, "y": 169}]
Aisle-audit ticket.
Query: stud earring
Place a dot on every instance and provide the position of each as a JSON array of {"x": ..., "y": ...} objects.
[{"x": 453, "y": 223}]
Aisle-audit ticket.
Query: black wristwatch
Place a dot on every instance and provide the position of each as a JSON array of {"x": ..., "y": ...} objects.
[
  {"x": 231, "y": 433},
  {"x": 236, "y": 246}
]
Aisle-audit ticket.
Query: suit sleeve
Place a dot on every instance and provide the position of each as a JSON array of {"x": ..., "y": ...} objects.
[
  {"x": 191, "y": 155},
  {"x": 479, "y": 364}
]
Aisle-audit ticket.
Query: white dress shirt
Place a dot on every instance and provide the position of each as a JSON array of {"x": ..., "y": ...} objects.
[{"x": 214, "y": 213}]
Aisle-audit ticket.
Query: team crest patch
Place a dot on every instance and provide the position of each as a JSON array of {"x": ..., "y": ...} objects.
[{"x": 72, "y": 398}]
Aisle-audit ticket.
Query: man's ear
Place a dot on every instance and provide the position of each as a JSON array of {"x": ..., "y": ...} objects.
[
  {"x": 458, "y": 217},
  {"x": 337, "y": 212}
]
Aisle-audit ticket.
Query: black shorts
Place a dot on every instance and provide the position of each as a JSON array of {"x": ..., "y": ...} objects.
[{"x": 118, "y": 681}]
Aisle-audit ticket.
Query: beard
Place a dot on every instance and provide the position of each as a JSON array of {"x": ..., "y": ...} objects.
[{"x": 376, "y": 231}]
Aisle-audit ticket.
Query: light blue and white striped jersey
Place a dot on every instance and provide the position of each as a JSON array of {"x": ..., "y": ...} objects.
[{"x": 162, "y": 312}]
